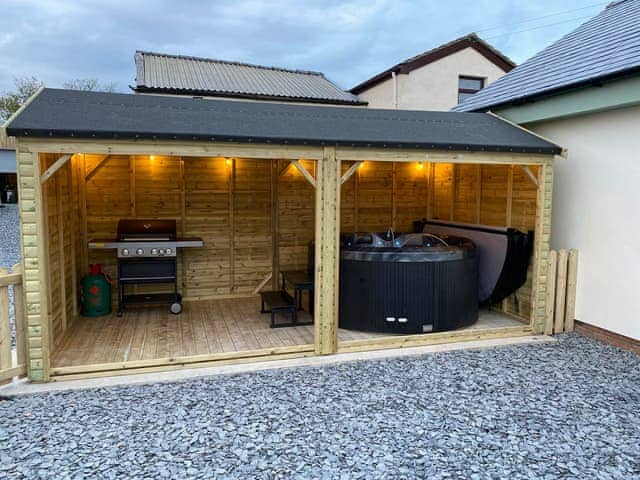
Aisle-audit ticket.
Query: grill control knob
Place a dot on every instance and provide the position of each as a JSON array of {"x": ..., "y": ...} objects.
[
  {"x": 154, "y": 251},
  {"x": 139, "y": 251},
  {"x": 168, "y": 251},
  {"x": 125, "y": 252},
  {"x": 161, "y": 251}
]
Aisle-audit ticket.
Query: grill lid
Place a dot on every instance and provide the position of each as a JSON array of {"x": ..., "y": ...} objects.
[{"x": 149, "y": 230}]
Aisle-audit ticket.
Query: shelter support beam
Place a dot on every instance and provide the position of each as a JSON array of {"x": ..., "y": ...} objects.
[
  {"x": 541, "y": 248},
  {"x": 58, "y": 164},
  {"x": 327, "y": 252},
  {"x": 34, "y": 256},
  {"x": 349, "y": 173},
  {"x": 305, "y": 173},
  {"x": 530, "y": 174}
]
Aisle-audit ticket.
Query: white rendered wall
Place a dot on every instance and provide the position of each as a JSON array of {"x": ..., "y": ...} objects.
[
  {"x": 596, "y": 209},
  {"x": 434, "y": 86}
]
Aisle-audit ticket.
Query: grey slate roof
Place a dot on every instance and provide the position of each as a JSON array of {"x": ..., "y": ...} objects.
[
  {"x": 68, "y": 113},
  {"x": 162, "y": 73},
  {"x": 604, "y": 47}
]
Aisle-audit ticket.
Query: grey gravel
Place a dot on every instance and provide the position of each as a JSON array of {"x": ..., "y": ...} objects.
[
  {"x": 541, "y": 411},
  {"x": 9, "y": 236},
  {"x": 9, "y": 250}
]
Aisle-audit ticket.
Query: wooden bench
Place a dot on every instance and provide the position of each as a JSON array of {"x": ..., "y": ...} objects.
[{"x": 279, "y": 302}]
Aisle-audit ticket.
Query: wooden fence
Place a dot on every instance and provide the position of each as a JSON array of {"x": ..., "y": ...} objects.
[
  {"x": 13, "y": 346},
  {"x": 561, "y": 291}
]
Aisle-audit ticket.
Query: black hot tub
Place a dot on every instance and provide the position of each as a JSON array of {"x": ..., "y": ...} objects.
[{"x": 407, "y": 283}]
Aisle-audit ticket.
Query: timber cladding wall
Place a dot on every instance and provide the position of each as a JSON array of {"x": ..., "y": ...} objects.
[
  {"x": 227, "y": 202},
  {"x": 242, "y": 208},
  {"x": 385, "y": 194}
]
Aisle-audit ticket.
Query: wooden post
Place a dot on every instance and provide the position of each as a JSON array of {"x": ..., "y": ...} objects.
[
  {"x": 572, "y": 280},
  {"x": 275, "y": 226},
  {"x": 552, "y": 269},
  {"x": 84, "y": 234},
  {"x": 5, "y": 326},
  {"x": 61, "y": 256},
  {"x": 183, "y": 227},
  {"x": 327, "y": 253},
  {"x": 44, "y": 245},
  {"x": 232, "y": 226},
  {"x": 72, "y": 226},
  {"x": 430, "y": 190},
  {"x": 20, "y": 321},
  {"x": 541, "y": 247},
  {"x": 509, "y": 214},
  {"x": 34, "y": 259},
  {"x": 478, "y": 193},
  {"x": 394, "y": 194},
  {"x": 561, "y": 291},
  {"x": 454, "y": 183},
  {"x": 132, "y": 186},
  {"x": 356, "y": 188}
]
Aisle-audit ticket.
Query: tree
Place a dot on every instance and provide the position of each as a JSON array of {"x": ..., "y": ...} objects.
[
  {"x": 89, "y": 85},
  {"x": 12, "y": 101}
]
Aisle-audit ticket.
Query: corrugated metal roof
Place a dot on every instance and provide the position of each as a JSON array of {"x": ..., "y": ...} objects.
[
  {"x": 158, "y": 72},
  {"x": 68, "y": 113},
  {"x": 605, "y": 46}
]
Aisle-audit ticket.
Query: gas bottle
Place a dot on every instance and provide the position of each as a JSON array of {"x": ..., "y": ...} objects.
[{"x": 95, "y": 292}]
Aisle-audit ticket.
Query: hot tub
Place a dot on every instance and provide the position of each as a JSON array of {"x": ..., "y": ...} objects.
[{"x": 407, "y": 283}]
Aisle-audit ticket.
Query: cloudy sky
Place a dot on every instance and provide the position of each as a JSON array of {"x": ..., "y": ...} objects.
[{"x": 348, "y": 40}]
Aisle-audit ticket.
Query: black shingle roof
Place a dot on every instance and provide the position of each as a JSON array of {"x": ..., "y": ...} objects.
[
  {"x": 67, "y": 113},
  {"x": 606, "y": 46}
]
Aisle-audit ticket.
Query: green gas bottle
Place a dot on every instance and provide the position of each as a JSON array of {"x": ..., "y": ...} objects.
[{"x": 95, "y": 292}]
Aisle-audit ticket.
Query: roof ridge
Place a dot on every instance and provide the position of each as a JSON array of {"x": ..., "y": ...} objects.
[
  {"x": 473, "y": 36},
  {"x": 230, "y": 62},
  {"x": 406, "y": 64}
]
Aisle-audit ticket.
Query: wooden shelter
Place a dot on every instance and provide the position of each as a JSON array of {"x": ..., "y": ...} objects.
[{"x": 258, "y": 182}]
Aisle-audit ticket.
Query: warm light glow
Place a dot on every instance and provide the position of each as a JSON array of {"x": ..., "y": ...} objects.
[
  {"x": 360, "y": 166},
  {"x": 420, "y": 166},
  {"x": 228, "y": 162},
  {"x": 152, "y": 158}
]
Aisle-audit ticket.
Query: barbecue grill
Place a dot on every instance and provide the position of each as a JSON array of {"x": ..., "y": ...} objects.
[{"x": 147, "y": 254}]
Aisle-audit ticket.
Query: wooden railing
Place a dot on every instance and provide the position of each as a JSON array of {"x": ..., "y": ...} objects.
[
  {"x": 561, "y": 291},
  {"x": 13, "y": 344}
]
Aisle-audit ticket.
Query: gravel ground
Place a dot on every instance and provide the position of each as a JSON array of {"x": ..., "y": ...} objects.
[
  {"x": 565, "y": 410},
  {"x": 9, "y": 236},
  {"x": 9, "y": 249}
]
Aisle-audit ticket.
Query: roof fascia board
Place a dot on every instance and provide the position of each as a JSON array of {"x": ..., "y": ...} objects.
[{"x": 612, "y": 95}]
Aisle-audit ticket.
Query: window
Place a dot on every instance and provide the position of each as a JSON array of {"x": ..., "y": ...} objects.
[{"x": 467, "y": 86}]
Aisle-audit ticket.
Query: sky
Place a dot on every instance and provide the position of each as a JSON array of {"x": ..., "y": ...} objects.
[{"x": 348, "y": 40}]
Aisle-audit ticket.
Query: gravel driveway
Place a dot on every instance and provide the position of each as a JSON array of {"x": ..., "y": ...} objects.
[
  {"x": 9, "y": 236},
  {"x": 9, "y": 249},
  {"x": 565, "y": 410}
]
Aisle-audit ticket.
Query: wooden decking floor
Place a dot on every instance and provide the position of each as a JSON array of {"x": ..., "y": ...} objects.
[{"x": 204, "y": 327}]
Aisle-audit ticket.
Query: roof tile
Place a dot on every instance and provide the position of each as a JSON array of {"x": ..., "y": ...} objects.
[{"x": 606, "y": 45}]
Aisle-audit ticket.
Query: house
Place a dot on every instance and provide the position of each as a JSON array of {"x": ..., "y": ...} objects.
[
  {"x": 8, "y": 178},
  {"x": 165, "y": 74},
  {"x": 437, "y": 79},
  {"x": 258, "y": 182},
  {"x": 583, "y": 92}
]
